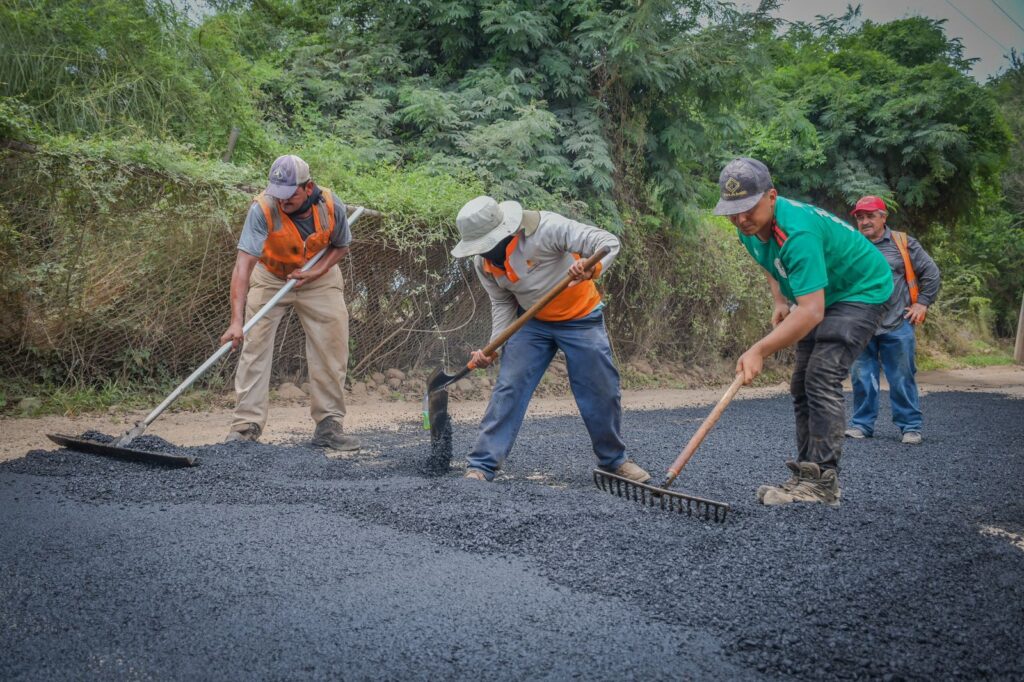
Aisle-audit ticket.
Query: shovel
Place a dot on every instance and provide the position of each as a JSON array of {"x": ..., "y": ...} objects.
[
  {"x": 119, "y": 448},
  {"x": 663, "y": 497},
  {"x": 435, "y": 400}
]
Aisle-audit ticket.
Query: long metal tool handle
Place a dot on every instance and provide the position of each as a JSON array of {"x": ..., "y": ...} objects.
[
  {"x": 698, "y": 437},
  {"x": 223, "y": 350}
]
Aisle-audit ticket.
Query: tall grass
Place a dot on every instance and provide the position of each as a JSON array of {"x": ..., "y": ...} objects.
[{"x": 128, "y": 67}]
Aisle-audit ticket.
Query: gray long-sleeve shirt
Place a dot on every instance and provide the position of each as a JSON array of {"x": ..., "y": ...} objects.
[
  {"x": 928, "y": 279},
  {"x": 541, "y": 260}
]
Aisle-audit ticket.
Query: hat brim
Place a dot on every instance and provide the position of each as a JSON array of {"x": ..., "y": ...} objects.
[
  {"x": 513, "y": 218},
  {"x": 281, "y": 192},
  {"x": 734, "y": 206}
]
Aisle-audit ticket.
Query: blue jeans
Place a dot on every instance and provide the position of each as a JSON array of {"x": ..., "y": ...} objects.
[
  {"x": 892, "y": 352},
  {"x": 592, "y": 376}
]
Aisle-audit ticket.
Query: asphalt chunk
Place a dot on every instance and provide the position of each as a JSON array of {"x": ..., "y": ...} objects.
[{"x": 272, "y": 561}]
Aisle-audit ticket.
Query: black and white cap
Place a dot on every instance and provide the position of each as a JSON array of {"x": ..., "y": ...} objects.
[{"x": 741, "y": 185}]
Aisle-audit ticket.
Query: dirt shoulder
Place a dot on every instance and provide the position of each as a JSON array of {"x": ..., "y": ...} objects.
[{"x": 290, "y": 420}]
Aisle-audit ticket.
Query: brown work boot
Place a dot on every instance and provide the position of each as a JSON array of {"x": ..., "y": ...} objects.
[
  {"x": 329, "y": 434},
  {"x": 814, "y": 485},
  {"x": 250, "y": 432},
  {"x": 475, "y": 475},
  {"x": 785, "y": 487},
  {"x": 634, "y": 472}
]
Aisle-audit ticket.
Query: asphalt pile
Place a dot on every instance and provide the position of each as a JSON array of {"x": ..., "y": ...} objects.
[{"x": 914, "y": 576}]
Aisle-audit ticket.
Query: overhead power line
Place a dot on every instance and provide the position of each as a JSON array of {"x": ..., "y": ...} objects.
[
  {"x": 949, "y": 2},
  {"x": 1007, "y": 15}
]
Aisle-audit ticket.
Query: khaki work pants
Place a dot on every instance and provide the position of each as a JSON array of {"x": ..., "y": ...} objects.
[{"x": 320, "y": 305}]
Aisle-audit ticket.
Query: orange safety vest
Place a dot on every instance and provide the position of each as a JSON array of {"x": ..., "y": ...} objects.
[
  {"x": 900, "y": 239},
  {"x": 284, "y": 249},
  {"x": 571, "y": 304}
]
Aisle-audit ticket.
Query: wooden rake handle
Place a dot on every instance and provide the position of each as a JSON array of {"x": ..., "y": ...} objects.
[
  {"x": 504, "y": 336},
  {"x": 698, "y": 437}
]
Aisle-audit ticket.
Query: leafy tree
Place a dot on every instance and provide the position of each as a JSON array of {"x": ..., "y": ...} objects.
[
  {"x": 884, "y": 109},
  {"x": 127, "y": 67}
]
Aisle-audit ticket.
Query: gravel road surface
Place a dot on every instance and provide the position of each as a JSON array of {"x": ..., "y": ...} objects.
[{"x": 273, "y": 562}]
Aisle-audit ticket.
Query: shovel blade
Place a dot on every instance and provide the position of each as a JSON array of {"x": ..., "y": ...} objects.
[
  {"x": 109, "y": 450},
  {"x": 437, "y": 420},
  {"x": 441, "y": 379}
]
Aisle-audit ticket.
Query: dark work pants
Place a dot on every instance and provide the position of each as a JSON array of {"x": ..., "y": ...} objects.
[{"x": 823, "y": 360}]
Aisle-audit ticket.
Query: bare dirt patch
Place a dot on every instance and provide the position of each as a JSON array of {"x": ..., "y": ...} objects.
[{"x": 290, "y": 420}]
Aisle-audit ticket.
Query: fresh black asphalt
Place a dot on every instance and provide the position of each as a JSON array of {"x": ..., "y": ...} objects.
[{"x": 273, "y": 562}]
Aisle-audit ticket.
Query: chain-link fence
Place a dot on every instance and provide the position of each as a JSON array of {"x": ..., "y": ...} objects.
[
  {"x": 135, "y": 284},
  {"x": 113, "y": 272}
]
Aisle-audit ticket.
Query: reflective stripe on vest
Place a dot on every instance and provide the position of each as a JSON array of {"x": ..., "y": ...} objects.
[
  {"x": 900, "y": 239},
  {"x": 284, "y": 250}
]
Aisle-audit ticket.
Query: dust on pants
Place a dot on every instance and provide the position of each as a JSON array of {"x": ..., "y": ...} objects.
[{"x": 823, "y": 360}]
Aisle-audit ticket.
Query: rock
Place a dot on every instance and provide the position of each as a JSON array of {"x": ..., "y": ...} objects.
[
  {"x": 558, "y": 368},
  {"x": 306, "y": 388},
  {"x": 290, "y": 391},
  {"x": 394, "y": 383},
  {"x": 359, "y": 389},
  {"x": 464, "y": 385},
  {"x": 416, "y": 385},
  {"x": 378, "y": 378},
  {"x": 29, "y": 404},
  {"x": 395, "y": 374},
  {"x": 484, "y": 382}
]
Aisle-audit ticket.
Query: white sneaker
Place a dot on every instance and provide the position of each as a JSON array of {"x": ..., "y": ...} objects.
[
  {"x": 854, "y": 432},
  {"x": 911, "y": 438}
]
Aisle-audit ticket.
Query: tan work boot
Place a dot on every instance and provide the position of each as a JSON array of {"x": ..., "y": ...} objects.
[
  {"x": 475, "y": 475},
  {"x": 633, "y": 471},
  {"x": 814, "y": 485},
  {"x": 911, "y": 438},
  {"x": 785, "y": 487},
  {"x": 250, "y": 432},
  {"x": 329, "y": 434}
]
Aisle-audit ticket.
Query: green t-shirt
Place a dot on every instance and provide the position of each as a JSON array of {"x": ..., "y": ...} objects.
[{"x": 820, "y": 251}]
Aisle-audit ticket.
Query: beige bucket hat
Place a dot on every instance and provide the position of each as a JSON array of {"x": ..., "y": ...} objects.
[{"x": 483, "y": 222}]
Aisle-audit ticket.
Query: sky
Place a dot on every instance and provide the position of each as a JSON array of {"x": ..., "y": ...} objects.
[{"x": 992, "y": 49}]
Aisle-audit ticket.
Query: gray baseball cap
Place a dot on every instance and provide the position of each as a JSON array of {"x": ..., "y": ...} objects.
[
  {"x": 742, "y": 184},
  {"x": 287, "y": 173}
]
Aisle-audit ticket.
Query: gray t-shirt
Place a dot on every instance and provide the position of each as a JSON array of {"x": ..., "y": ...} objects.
[{"x": 254, "y": 232}]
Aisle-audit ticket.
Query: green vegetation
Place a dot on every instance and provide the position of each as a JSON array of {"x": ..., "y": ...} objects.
[{"x": 114, "y": 115}]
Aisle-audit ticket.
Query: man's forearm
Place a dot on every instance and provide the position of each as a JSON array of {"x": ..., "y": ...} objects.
[
  {"x": 795, "y": 327},
  {"x": 776, "y": 291},
  {"x": 331, "y": 258},
  {"x": 239, "y": 292}
]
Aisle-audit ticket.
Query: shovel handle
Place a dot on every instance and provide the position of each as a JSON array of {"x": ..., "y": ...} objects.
[
  {"x": 698, "y": 437},
  {"x": 504, "y": 336}
]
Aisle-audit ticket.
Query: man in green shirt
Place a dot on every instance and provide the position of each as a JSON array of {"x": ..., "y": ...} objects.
[{"x": 830, "y": 287}]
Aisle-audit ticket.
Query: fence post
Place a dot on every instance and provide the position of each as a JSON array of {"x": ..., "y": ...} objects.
[
  {"x": 232, "y": 141},
  {"x": 1018, "y": 350}
]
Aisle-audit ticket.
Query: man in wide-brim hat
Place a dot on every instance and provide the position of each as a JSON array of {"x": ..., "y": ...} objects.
[{"x": 520, "y": 256}]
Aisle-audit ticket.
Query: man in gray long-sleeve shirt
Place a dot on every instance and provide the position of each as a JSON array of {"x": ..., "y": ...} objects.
[
  {"x": 519, "y": 256},
  {"x": 916, "y": 283}
]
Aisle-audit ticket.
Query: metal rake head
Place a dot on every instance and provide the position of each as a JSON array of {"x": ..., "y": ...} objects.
[{"x": 652, "y": 496}]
